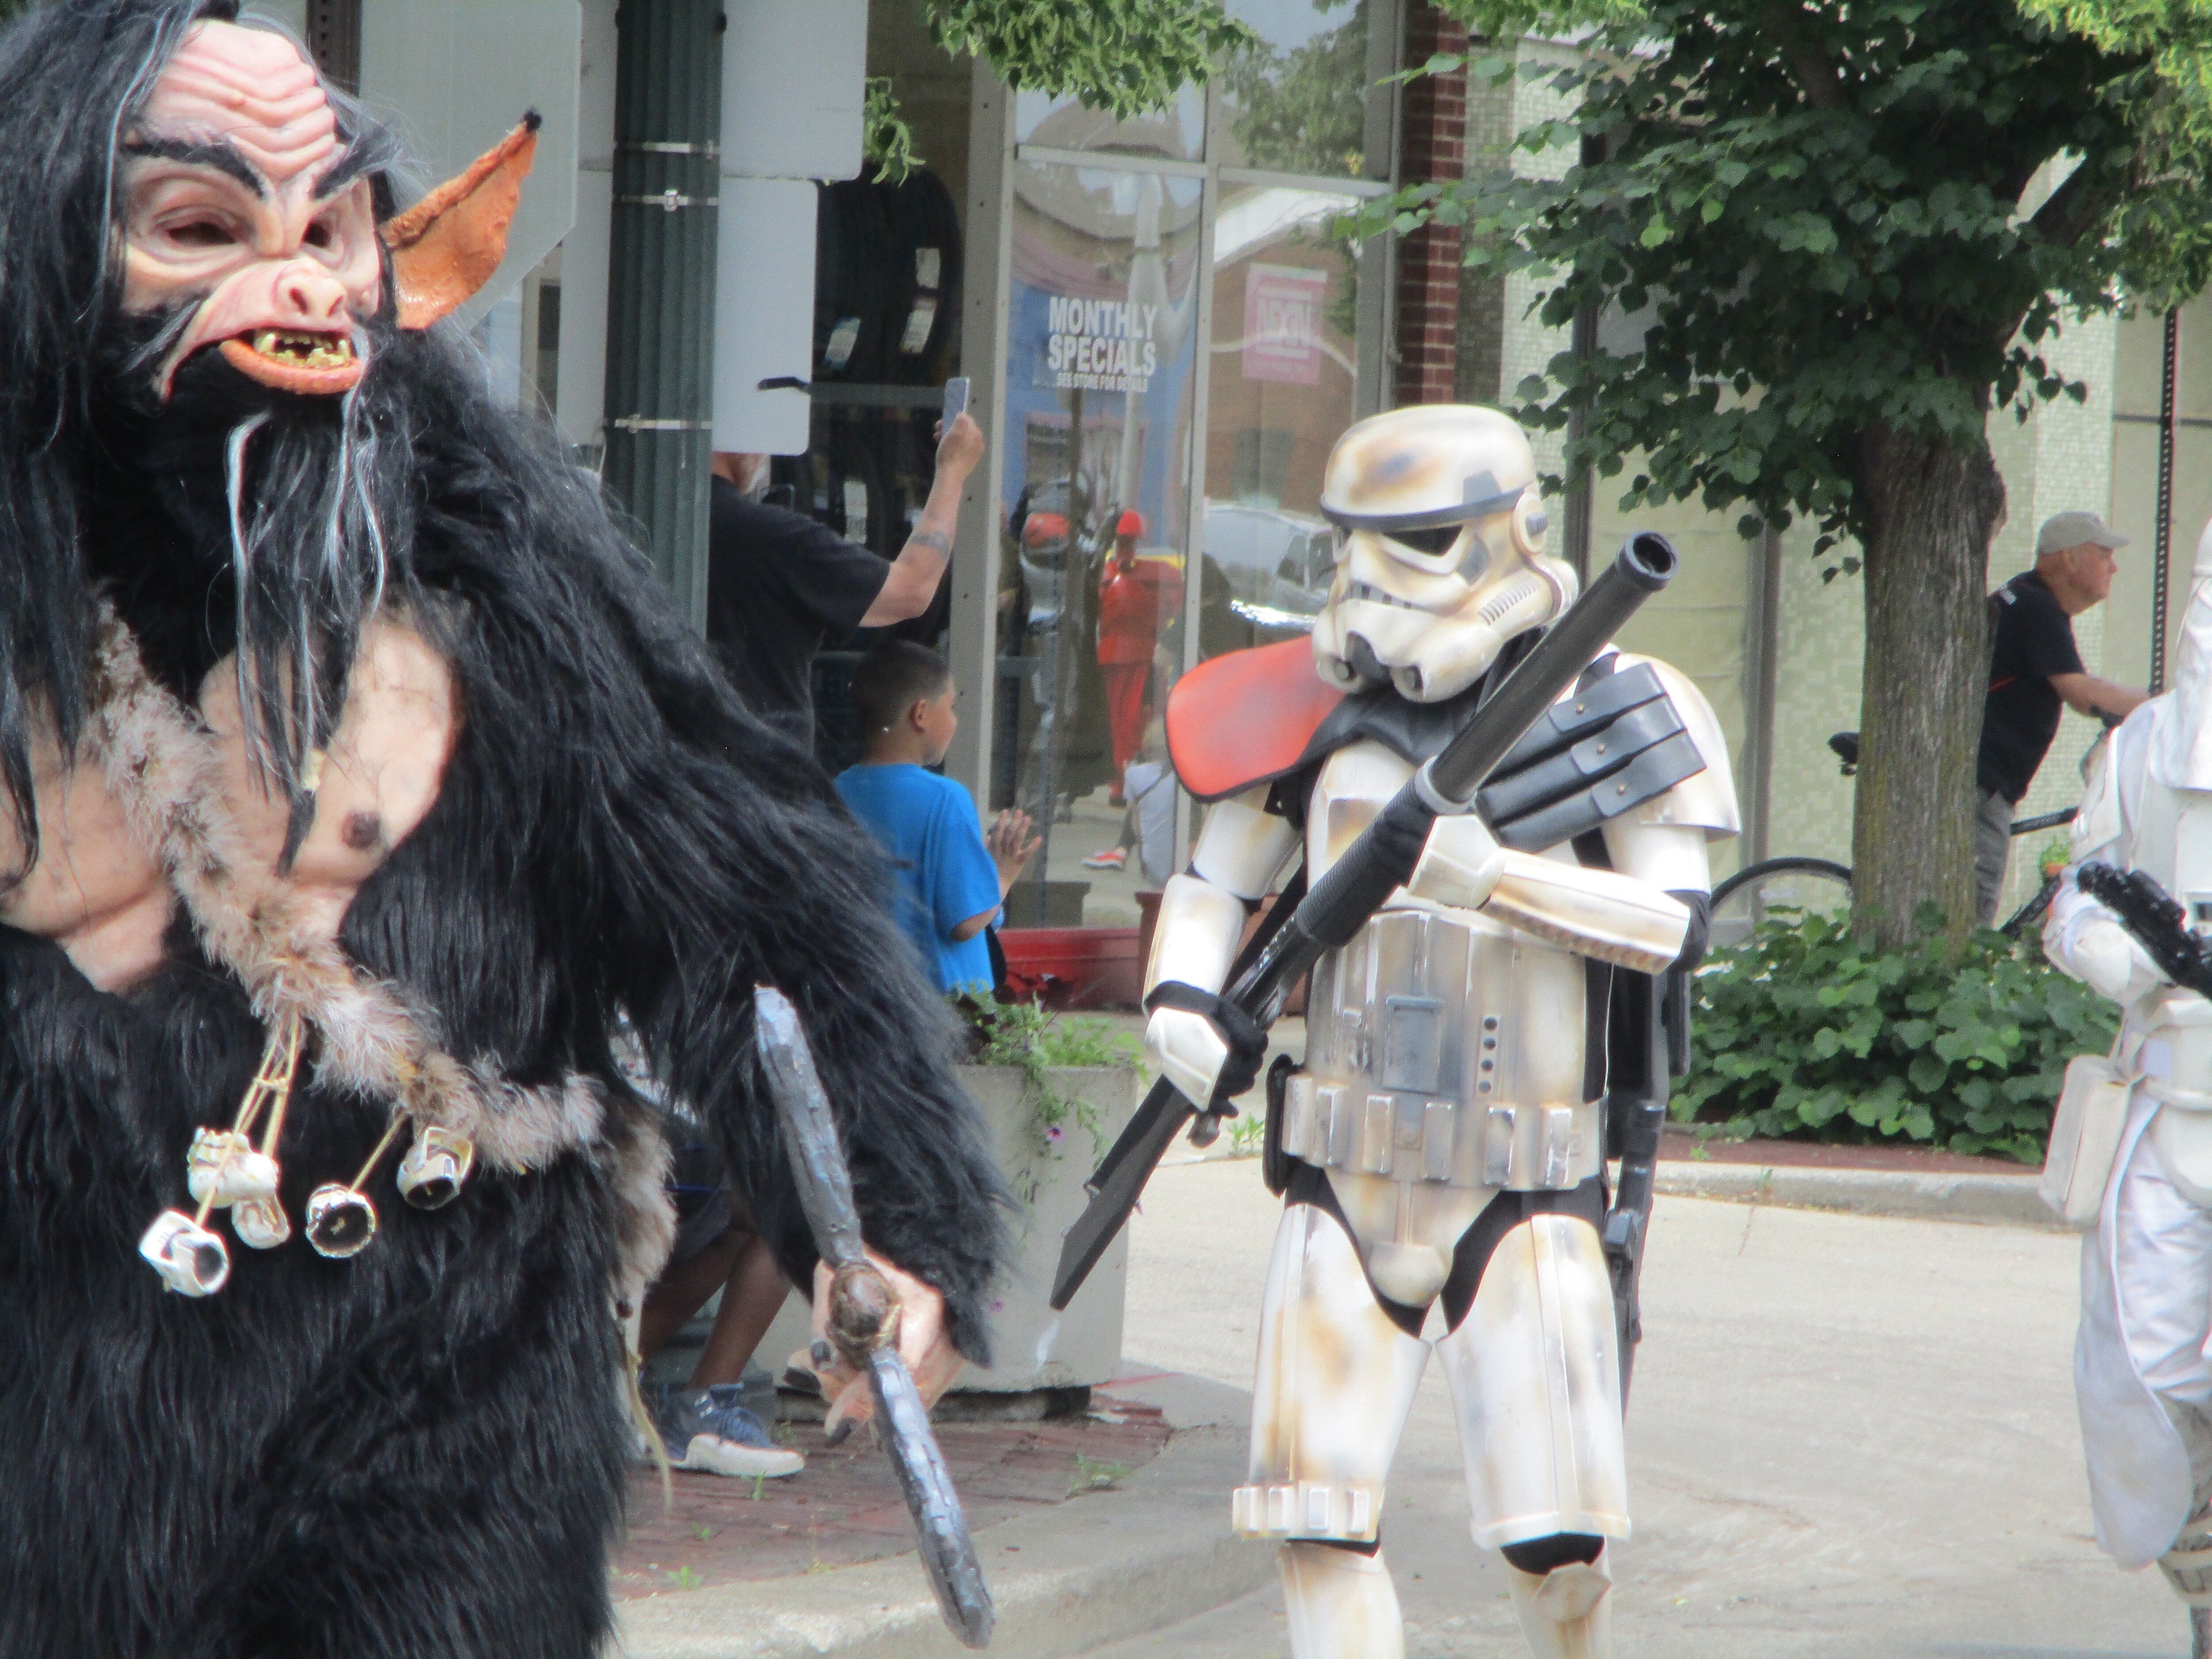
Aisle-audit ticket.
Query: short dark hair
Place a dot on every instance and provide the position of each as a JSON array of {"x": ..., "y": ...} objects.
[{"x": 893, "y": 678}]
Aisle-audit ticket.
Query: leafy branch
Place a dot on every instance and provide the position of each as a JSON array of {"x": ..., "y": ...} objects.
[{"x": 1125, "y": 55}]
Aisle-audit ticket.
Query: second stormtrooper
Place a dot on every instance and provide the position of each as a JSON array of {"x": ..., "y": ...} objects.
[
  {"x": 1442, "y": 1152},
  {"x": 2141, "y": 1375}
]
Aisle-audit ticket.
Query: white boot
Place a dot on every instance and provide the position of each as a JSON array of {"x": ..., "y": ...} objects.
[
  {"x": 1567, "y": 1613},
  {"x": 1342, "y": 1604}
]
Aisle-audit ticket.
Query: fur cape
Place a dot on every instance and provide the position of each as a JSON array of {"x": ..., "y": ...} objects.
[{"x": 421, "y": 1451}]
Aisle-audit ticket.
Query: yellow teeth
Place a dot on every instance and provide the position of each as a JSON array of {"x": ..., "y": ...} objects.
[{"x": 299, "y": 350}]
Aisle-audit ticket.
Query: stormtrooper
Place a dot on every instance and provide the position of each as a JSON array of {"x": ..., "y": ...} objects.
[
  {"x": 1443, "y": 1149},
  {"x": 2142, "y": 1378}
]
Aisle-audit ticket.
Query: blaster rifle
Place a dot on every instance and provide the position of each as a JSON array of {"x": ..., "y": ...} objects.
[
  {"x": 1336, "y": 906},
  {"x": 2156, "y": 920}
]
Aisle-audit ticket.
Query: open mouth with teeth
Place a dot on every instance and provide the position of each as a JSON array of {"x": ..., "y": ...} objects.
[{"x": 296, "y": 360}]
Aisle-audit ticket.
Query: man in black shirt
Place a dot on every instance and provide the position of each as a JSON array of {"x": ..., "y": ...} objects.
[
  {"x": 781, "y": 588},
  {"x": 2035, "y": 667}
]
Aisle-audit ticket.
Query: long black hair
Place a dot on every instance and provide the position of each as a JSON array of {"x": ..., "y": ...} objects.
[{"x": 314, "y": 498}]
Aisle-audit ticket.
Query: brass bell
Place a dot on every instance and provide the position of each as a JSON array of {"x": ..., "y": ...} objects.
[
  {"x": 260, "y": 1223},
  {"x": 431, "y": 1174},
  {"x": 340, "y": 1221},
  {"x": 191, "y": 1260}
]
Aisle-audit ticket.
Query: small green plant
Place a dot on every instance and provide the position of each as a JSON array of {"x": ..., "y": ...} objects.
[
  {"x": 701, "y": 1531},
  {"x": 885, "y": 138},
  {"x": 684, "y": 1579},
  {"x": 1807, "y": 1030},
  {"x": 1246, "y": 1132},
  {"x": 1024, "y": 1035},
  {"x": 1094, "y": 1475}
]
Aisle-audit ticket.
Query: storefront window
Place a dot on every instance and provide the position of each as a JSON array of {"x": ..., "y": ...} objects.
[
  {"x": 1100, "y": 362},
  {"x": 1296, "y": 104},
  {"x": 1283, "y": 387},
  {"x": 1177, "y": 133}
]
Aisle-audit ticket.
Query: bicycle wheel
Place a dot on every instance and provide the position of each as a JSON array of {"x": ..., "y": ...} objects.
[{"x": 1742, "y": 902}]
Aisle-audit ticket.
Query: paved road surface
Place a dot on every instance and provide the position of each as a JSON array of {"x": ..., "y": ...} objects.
[{"x": 1850, "y": 1436}]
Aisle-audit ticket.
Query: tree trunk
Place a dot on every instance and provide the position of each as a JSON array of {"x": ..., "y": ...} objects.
[{"x": 1931, "y": 509}]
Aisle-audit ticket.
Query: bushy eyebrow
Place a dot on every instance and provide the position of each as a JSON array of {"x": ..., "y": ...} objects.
[
  {"x": 364, "y": 155},
  {"x": 224, "y": 158}
]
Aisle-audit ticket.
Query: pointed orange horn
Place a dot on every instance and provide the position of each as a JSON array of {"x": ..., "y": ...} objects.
[{"x": 447, "y": 246}]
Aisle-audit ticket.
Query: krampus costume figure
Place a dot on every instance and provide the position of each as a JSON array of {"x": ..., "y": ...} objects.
[{"x": 361, "y": 782}]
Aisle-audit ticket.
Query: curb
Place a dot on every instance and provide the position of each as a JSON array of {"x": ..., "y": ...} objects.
[
  {"x": 2001, "y": 1200},
  {"x": 1096, "y": 1569}
]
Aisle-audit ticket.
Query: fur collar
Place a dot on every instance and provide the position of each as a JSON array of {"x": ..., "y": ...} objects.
[{"x": 161, "y": 765}]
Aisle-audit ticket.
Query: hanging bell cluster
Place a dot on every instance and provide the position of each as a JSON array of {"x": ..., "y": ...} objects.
[{"x": 226, "y": 1170}]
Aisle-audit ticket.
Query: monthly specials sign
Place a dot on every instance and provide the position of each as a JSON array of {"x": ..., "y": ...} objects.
[{"x": 1099, "y": 345}]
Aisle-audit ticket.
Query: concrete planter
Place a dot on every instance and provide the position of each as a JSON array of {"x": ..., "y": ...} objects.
[{"x": 1035, "y": 1347}]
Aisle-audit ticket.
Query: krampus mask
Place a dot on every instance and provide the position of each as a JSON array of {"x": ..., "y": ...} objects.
[{"x": 358, "y": 765}]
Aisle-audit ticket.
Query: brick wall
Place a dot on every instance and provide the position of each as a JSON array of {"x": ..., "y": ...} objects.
[{"x": 1432, "y": 146}]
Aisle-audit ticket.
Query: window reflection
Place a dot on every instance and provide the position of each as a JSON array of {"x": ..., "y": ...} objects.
[
  {"x": 1177, "y": 133},
  {"x": 1296, "y": 104},
  {"x": 1102, "y": 354},
  {"x": 1284, "y": 387}
]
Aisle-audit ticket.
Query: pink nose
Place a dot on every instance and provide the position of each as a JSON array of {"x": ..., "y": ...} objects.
[{"x": 310, "y": 296}]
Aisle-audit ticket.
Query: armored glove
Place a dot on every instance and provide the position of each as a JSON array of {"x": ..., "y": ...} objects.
[
  {"x": 2105, "y": 958},
  {"x": 1205, "y": 1044}
]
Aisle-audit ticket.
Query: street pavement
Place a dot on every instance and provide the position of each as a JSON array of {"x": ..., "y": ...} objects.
[{"x": 1850, "y": 1436}]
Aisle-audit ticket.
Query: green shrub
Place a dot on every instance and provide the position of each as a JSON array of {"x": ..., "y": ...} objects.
[{"x": 1804, "y": 1032}]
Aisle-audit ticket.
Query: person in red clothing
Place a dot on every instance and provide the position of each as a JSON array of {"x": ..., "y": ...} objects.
[{"x": 1136, "y": 598}]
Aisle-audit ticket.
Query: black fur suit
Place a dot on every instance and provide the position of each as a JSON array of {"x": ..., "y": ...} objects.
[{"x": 419, "y": 1452}]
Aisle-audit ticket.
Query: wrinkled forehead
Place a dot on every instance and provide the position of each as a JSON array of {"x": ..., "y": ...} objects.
[{"x": 250, "y": 89}]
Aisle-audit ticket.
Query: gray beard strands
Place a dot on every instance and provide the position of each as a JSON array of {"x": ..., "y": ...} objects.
[{"x": 309, "y": 506}]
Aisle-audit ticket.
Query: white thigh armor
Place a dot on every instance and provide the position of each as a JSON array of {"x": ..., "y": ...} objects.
[
  {"x": 1535, "y": 1382},
  {"x": 1336, "y": 1380}
]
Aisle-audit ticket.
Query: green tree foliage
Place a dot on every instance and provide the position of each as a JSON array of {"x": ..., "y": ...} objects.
[
  {"x": 1127, "y": 56},
  {"x": 1806, "y": 1032},
  {"x": 1814, "y": 213},
  {"x": 1835, "y": 238}
]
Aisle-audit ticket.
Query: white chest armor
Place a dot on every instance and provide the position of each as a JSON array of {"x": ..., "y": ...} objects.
[{"x": 1442, "y": 1046}]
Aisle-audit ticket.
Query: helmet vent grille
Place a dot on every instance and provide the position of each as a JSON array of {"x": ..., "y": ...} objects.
[{"x": 1511, "y": 597}]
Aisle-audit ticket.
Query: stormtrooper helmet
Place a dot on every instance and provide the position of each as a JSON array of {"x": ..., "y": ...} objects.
[{"x": 1441, "y": 557}]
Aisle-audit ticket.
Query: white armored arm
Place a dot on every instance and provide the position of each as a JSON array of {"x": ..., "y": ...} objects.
[
  {"x": 1202, "y": 918},
  {"x": 1613, "y": 917},
  {"x": 2080, "y": 938}
]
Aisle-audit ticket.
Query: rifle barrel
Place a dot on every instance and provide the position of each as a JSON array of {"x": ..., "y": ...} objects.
[{"x": 1647, "y": 562}]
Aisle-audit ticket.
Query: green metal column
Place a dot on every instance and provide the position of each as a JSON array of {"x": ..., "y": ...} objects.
[{"x": 660, "y": 281}]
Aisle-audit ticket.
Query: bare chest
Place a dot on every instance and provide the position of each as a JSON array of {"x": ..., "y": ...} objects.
[{"x": 99, "y": 887}]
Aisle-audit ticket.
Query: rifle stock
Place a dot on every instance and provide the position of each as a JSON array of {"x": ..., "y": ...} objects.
[{"x": 1376, "y": 865}]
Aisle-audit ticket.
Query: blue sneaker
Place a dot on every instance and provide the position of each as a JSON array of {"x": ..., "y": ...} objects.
[{"x": 706, "y": 1429}]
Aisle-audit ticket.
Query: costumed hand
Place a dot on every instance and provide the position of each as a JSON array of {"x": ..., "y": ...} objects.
[
  {"x": 959, "y": 447},
  {"x": 853, "y": 1306},
  {"x": 1202, "y": 1042},
  {"x": 2109, "y": 961},
  {"x": 1010, "y": 845}
]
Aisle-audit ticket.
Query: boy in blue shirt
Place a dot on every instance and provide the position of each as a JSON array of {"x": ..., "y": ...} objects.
[{"x": 951, "y": 879}]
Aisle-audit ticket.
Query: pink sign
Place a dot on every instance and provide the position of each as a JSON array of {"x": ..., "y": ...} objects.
[{"x": 1282, "y": 323}]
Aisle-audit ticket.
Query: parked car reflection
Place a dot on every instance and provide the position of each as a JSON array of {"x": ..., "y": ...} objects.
[{"x": 1277, "y": 565}]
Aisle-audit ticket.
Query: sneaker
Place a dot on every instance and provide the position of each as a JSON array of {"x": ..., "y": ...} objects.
[
  {"x": 706, "y": 1429},
  {"x": 1112, "y": 859}
]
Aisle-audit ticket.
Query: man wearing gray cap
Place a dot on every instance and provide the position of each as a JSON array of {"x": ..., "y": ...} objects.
[{"x": 2034, "y": 666}]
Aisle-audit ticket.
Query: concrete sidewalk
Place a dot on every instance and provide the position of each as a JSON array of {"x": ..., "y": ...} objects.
[
  {"x": 1093, "y": 1554},
  {"x": 1109, "y": 1536},
  {"x": 1906, "y": 1194}
]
